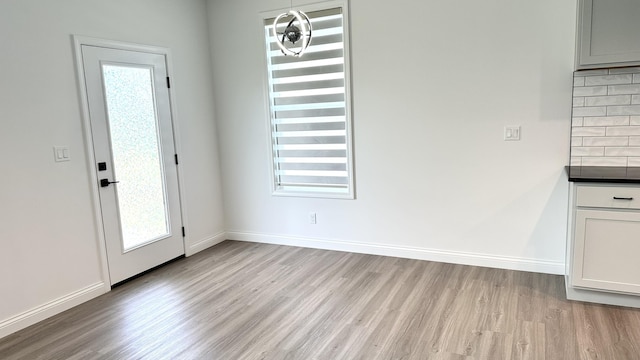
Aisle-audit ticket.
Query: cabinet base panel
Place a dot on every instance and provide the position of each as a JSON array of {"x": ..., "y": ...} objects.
[{"x": 601, "y": 297}]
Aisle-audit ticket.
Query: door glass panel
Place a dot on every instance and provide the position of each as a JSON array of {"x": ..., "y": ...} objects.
[{"x": 137, "y": 164}]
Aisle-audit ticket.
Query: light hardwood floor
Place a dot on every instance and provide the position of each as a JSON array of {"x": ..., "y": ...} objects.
[{"x": 255, "y": 301}]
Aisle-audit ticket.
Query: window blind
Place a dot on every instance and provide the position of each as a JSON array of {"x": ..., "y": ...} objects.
[{"x": 308, "y": 108}]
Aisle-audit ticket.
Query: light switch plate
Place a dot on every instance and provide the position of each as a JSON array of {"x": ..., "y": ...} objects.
[
  {"x": 61, "y": 153},
  {"x": 512, "y": 133}
]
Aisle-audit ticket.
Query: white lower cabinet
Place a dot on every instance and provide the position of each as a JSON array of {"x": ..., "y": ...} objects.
[
  {"x": 604, "y": 244},
  {"x": 606, "y": 250}
]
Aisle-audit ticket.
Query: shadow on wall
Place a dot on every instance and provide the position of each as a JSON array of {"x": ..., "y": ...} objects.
[
  {"x": 553, "y": 216},
  {"x": 545, "y": 239}
]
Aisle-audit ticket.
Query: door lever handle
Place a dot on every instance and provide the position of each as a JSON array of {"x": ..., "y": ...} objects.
[{"x": 106, "y": 182}]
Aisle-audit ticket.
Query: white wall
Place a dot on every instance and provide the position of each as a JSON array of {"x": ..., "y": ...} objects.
[
  {"x": 434, "y": 83},
  {"x": 48, "y": 241}
]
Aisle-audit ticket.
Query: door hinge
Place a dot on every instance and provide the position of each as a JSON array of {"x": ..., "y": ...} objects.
[
  {"x": 168, "y": 83},
  {"x": 183, "y": 232},
  {"x": 176, "y": 157}
]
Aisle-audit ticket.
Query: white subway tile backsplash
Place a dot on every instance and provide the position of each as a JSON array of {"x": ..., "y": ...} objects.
[
  {"x": 622, "y": 151},
  {"x": 608, "y": 100},
  {"x": 634, "y": 140},
  {"x": 604, "y": 141},
  {"x": 623, "y": 89},
  {"x": 590, "y": 91},
  {"x": 606, "y": 121},
  {"x": 622, "y": 130},
  {"x": 591, "y": 72},
  {"x": 621, "y": 110},
  {"x": 590, "y": 111},
  {"x": 576, "y": 161},
  {"x": 604, "y": 161},
  {"x": 588, "y": 151},
  {"x": 577, "y": 121},
  {"x": 608, "y": 79},
  {"x": 589, "y": 131},
  {"x": 633, "y": 161},
  {"x": 576, "y": 141},
  {"x": 606, "y": 117}
]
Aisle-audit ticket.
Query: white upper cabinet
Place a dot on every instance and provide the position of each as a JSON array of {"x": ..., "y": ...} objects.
[{"x": 608, "y": 33}]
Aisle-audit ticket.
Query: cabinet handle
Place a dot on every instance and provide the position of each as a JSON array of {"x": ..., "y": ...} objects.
[{"x": 622, "y": 198}]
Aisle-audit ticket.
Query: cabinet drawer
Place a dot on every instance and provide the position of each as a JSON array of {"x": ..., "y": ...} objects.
[{"x": 620, "y": 197}]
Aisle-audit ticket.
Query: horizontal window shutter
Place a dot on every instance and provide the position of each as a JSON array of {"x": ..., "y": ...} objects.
[{"x": 308, "y": 109}]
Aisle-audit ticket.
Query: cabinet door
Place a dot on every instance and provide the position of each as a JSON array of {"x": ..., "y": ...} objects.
[
  {"x": 608, "y": 33},
  {"x": 606, "y": 250}
]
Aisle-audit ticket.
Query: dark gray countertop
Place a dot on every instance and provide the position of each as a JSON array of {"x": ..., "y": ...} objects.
[{"x": 612, "y": 174}]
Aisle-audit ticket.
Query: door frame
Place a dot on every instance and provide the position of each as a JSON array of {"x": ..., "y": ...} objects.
[{"x": 78, "y": 41}]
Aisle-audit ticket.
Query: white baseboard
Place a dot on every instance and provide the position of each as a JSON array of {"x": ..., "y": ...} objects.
[
  {"x": 454, "y": 257},
  {"x": 205, "y": 243},
  {"x": 30, "y": 317}
]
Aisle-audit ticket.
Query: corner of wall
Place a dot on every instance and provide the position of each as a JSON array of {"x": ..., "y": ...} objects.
[{"x": 202, "y": 244}]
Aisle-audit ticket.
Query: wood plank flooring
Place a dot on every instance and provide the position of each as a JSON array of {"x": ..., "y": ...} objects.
[{"x": 254, "y": 301}]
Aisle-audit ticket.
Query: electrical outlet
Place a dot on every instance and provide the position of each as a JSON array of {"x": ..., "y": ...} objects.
[
  {"x": 313, "y": 219},
  {"x": 512, "y": 133}
]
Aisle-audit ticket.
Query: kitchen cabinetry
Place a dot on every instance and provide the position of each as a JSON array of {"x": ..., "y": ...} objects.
[
  {"x": 604, "y": 244},
  {"x": 608, "y": 33}
]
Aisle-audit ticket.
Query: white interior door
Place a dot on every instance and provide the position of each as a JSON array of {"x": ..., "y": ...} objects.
[{"x": 131, "y": 127}]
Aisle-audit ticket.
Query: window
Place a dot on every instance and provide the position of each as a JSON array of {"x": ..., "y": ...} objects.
[{"x": 309, "y": 107}]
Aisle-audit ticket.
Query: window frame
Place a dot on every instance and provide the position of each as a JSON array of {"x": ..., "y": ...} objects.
[{"x": 311, "y": 191}]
